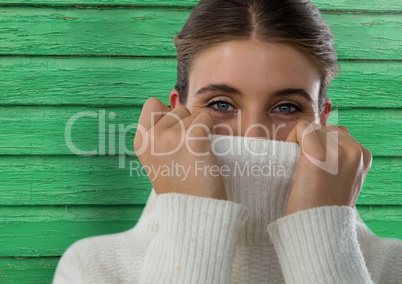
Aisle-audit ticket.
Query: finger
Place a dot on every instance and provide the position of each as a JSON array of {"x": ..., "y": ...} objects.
[
  {"x": 202, "y": 125},
  {"x": 196, "y": 120},
  {"x": 314, "y": 141},
  {"x": 345, "y": 136},
  {"x": 332, "y": 134},
  {"x": 197, "y": 134},
  {"x": 152, "y": 111},
  {"x": 367, "y": 156},
  {"x": 292, "y": 136},
  {"x": 346, "y": 141},
  {"x": 301, "y": 130},
  {"x": 332, "y": 137},
  {"x": 342, "y": 133},
  {"x": 173, "y": 117},
  {"x": 344, "y": 129},
  {"x": 185, "y": 123}
]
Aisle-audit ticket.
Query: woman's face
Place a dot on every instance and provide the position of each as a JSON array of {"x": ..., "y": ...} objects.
[{"x": 255, "y": 89}]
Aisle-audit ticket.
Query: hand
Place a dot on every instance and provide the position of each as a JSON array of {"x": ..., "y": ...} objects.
[
  {"x": 177, "y": 141},
  {"x": 331, "y": 170}
]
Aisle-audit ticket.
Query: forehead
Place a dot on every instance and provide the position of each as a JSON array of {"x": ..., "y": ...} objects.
[{"x": 253, "y": 66}]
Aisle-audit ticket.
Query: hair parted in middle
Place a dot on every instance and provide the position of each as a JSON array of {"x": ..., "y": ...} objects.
[{"x": 297, "y": 23}]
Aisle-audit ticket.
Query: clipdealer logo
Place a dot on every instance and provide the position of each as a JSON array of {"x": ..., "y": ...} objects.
[
  {"x": 330, "y": 164},
  {"x": 199, "y": 168},
  {"x": 101, "y": 116}
]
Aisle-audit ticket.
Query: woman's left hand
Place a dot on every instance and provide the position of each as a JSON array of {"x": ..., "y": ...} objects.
[{"x": 331, "y": 170}]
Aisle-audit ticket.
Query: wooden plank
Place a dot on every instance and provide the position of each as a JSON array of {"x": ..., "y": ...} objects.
[
  {"x": 41, "y": 130},
  {"x": 59, "y": 180},
  {"x": 384, "y": 221},
  {"x": 42, "y": 174},
  {"x": 45, "y": 127},
  {"x": 383, "y": 184},
  {"x": 85, "y": 81},
  {"x": 367, "y": 30},
  {"x": 348, "y": 5},
  {"x": 359, "y": 5},
  {"x": 124, "y": 32},
  {"x": 149, "y": 32},
  {"x": 48, "y": 231},
  {"x": 69, "y": 180},
  {"x": 130, "y": 81},
  {"x": 370, "y": 127},
  {"x": 367, "y": 84},
  {"x": 27, "y": 270}
]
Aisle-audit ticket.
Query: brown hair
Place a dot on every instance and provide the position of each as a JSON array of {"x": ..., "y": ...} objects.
[{"x": 294, "y": 22}]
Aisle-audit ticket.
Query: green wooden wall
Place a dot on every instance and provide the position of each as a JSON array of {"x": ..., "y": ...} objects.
[{"x": 104, "y": 58}]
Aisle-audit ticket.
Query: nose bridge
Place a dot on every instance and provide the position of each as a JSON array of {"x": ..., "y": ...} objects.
[{"x": 255, "y": 123}]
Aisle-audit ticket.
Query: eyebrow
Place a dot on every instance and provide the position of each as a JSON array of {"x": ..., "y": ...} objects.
[
  {"x": 218, "y": 88},
  {"x": 290, "y": 92},
  {"x": 225, "y": 88}
]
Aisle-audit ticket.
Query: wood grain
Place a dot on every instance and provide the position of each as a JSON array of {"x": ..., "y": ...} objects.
[
  {"x": 27, "y": 270},
  {"x": 127, "y": 32},
  {"x": 59, "y": 180},
  {"x": 62, "y": 57},
  {"x": 69, "y": 180},
  {"x": 41, "y": 130},
  {"x": 85, "y": 81},
  {"x": 384, "y": 221},
  {"x": 131, "y": 81},
  {"x": 348, "y": 5},
  {"x": 47, "y": 231}
]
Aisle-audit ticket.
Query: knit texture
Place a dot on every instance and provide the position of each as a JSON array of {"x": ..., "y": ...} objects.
[{"x": 248, "y": 239}]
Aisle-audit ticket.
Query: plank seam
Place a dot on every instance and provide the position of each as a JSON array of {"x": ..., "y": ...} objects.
[
  {"x": 97, "y": 7},
  {"x": 63, "y": 56},
  {"x": 175, "y": 6},
  {"x": 124, "y": 56},
  {"x": 110, "y": 156}
]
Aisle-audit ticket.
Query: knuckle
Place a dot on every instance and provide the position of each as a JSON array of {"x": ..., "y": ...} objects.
[
  {"x": 184, "y": 110},
  {"x": 197, "y": 131},
  {"x": 321, "y": 155},
  {"x": 301, "y": 125},
  {"x": 152, "y": 101},
  {"x": 354, "y": 153},
  {"x": 206, "y": 118},
  {"x": 166, "y": 141},
  {"x": 169, "y": 137},
  {"x": 150, "y": 104},
  {"x": 137, "y": 143},
  {"x": 367, "y": 157},
  {"x": 179, "y": 113},
  {"x": 171, "y": 115}
]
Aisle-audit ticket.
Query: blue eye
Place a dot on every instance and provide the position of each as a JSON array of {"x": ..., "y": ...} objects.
[
  {"x": 221, "y": 106},
  {"x": 287, "y": 108}
]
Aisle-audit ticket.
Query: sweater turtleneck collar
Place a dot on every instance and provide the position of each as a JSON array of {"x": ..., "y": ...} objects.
[
  {"x": 261, "y": 176},
  {"x": 258, "y": 174}
]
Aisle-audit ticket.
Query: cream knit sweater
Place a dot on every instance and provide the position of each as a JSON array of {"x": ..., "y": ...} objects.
[{"x": 186, "y": 239}]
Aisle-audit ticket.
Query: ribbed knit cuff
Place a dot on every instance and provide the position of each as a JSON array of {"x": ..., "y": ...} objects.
[
  {"x": 319, "y": 246},
  {"x": 196, "y": 241}
]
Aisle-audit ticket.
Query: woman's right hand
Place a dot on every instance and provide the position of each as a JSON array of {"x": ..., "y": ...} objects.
[{"x": 174, "y": 148}]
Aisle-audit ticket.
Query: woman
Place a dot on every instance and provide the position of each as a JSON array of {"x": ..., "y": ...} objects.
[{"x": 238, "y": 208}]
